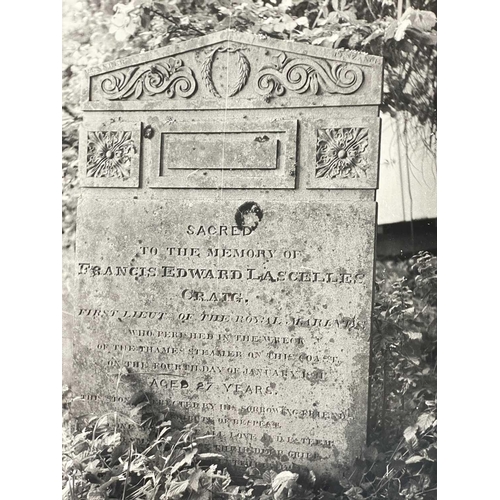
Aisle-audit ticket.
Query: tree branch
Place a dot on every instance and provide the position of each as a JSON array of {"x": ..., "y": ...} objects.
[
  {"x": 172, "y": 20},
  {"x": 71, "y": 113},
  {"x": 369, "y": 5}
]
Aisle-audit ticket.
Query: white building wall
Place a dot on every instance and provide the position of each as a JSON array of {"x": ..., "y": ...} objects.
[{"x": 407, "y": 186}]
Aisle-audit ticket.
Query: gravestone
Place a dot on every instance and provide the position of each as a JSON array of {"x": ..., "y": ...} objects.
[{"x": 226, "y": 241}]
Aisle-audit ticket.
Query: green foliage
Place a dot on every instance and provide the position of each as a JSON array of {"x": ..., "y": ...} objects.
[
  {"x": 99, "y": 461},
  {"x": 399, "y": 464},
  {"x": 407, "y": 43},
  {"x": 404, "y": 346}
]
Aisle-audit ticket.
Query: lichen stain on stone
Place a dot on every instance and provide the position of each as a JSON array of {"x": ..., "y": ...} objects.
[
  {"x": 261, "y": 138},
  {"x": 266, "y": 439},
  {"x": 248, "y": 215},
  {"x": 243, "y": 411},
  {"x": 314, "y": 377}
]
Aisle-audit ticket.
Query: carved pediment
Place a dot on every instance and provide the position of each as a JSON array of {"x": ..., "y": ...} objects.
[{"x": 235, "y": 70}]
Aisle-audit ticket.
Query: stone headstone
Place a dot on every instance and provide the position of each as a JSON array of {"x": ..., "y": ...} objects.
[{"x": 226, "y": 241}]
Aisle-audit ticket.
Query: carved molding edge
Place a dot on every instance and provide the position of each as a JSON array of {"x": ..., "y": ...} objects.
[
  {"x": 243, "y": 66},
  {"x": 341, "y": 152},
  {"x": 302, "y": 75},
  {"x": 109, "y": 154},
  {"x": 170, "y": 77}
]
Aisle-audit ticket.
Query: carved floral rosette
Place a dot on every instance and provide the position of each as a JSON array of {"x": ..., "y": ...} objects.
[
  {"x": 341, "y": 152},
  {"x": 170, "y": 77},
  {"x": 109, "y": 154},
  {"x": 303, "y": 75}
]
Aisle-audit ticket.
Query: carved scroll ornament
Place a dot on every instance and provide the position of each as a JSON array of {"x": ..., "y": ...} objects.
[
  {"x": 170, "y": 77},
  {"x": 302, "y": 75}
]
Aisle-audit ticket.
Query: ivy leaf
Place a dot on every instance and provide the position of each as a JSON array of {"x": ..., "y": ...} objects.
[
  {"x": 354, "y": 493},
  {"x": 282, "y": 483},
  {"x": 423, "y": 20},
  {"x": 302, "y": 21},
  {"x": 425, "y": 421},
  {"x": 371, "y": 453},
  {"x": 176, "y": 489},
  {"x": 398, "y": 465},
  {"x": 317, "y": 41},
  {"x": 410, "y": 433},
  {"x": 432, "y": 452},
  {"x": 373, "y": 36},
  {"x": 311, "y": 477},
  {"x": 279, "y": 27},
  {"x": 252, "y": 473},
  {"x": 145, "y": 18},
  {"x": 339, "y": 5},
  {"x": 138, "y": 397},
  {"x": 284, "y": 6},
  {"x": 160, "y": 7},
  {"x": 186, "y": 460},
  {"x": 269, "y": 476},
  {"x": 203, "y": 494},
  {"x": 194, "y": 480},
  {"x": 391, "y": 30}
]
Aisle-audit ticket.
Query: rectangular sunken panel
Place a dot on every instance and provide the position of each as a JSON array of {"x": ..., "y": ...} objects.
[
  {"x": 226, "y": 151},
  {"x": 212, "y": 155}
]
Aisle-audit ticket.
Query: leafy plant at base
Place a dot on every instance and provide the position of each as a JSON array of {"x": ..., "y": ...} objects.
[
  {"x": 100, "y": 461},
  {"x": 400, "y": 464},
  {"x": 404, "y": 346}
]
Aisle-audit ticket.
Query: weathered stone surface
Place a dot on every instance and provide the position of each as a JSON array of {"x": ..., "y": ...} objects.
[
  {"x": 228, "y": 70},
  {"x": 243, "y": 153},
  {"x": 225, "y": 244},
  {"x": 260, "y": 335}
]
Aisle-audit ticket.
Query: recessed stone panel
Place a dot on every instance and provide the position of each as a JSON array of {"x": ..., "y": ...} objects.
[{"x": 225, "y": 154}]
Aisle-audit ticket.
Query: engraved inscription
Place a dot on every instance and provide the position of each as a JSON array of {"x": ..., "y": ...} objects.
[
  {"x": 303, "y": 75},
  {"x": 248, "y": 274},
  {"x": 341, "y": 152},
  {"x": 170, "y": 77},
  {"x": 109, "y": 154},
  {"x": 248, "y": 333}
]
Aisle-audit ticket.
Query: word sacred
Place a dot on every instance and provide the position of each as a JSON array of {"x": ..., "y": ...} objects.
[
  {"x": 221, "y": 274},
  {"x": 217, "y": 230}
]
